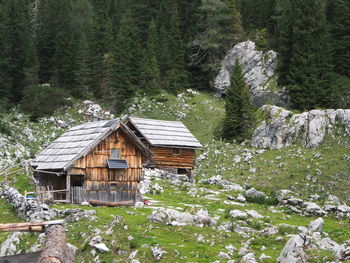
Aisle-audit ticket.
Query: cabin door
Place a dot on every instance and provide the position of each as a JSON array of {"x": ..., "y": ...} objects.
[{"x": 77, "y": 180}]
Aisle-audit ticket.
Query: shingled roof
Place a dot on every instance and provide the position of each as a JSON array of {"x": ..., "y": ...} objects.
[
  {"x": 165, "y": 133},
  {"x": 77, "y": 142}
]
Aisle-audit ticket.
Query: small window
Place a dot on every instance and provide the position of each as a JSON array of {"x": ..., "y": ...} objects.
[
  {"x": 115, "y": 153},
  {"x": 114, "y": 187},
  {"x": 176, "y": 151}
]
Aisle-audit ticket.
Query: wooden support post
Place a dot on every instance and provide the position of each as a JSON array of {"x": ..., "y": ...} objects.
[
  {"x": 68, "y": 187},
  {"x": 56, "y": 249}
]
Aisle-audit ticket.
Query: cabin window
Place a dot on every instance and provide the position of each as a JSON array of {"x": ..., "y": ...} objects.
[
  {"x": 115, "y": 153},
  {"x": 176, "y": 151},
  {"x": 114, "y": 187}
]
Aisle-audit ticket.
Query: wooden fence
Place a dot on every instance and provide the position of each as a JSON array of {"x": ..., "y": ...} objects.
[{"x": 78, "y": 195}]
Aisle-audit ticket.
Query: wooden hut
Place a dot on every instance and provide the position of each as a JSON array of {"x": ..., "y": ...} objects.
[
  {"x": 173, "y": 146},
  {"x": 100, "y": 160}
]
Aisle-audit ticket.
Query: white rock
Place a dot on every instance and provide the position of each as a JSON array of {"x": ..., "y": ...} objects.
[
  {"x": 264, "y": 257},
  {"x": 238, "y": 214},
  {"x": 157, "y": 252},
  {"x": 168, "y": 216},
  {"x": 202, "y": 218},
  {"x": 101, "y": 247},
  {"x": 316, "y": 225},
  {"x": 241, "y": 198},
  {"x": 258, "y": 67},
  {"x": 284, "y": 128},
  {"x": 249, "y": 258},
  {"x": 253, "y": 193},
  {"x": 223, "y": 255},
  {"x": 245, "y": 249},
  {"x": 293, "y": 251},
  {"x": 343, "y": 209},
  {"x": 9, "y": 246},
  {"x": 254, "y": 214},
  {"x": 314, "y": 209}
]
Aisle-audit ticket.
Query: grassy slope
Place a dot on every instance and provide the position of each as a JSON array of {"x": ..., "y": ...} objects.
[{"x": 284, "y": 168}]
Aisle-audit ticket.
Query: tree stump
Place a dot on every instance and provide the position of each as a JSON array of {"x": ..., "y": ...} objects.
[{"x": 56, "y": 249}]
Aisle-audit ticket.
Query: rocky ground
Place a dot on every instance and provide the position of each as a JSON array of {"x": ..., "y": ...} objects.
[
  {"x": 213, "y": 220},
  {"x": 247, "y": 204}
]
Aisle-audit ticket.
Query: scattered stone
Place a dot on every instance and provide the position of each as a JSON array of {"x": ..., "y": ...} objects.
[
  {"x": 101, "y": 247},
  {"x": 254, "y": 214},
  {"x": 314, "y": 209},
  {"x": 224, "y": 255},
  {"x": 9, "y": 246},
  {"x": 264, "y": 257},
  {"x": 171, "y": 217},
  {"x": 255, "y": 194},
  {"x": 238, "y": 214},
  {"x": 245, "y": 249},
  {"x": 316, "y": 225},
  {"x": 248, "y": 258},
  {"x": 202, "y": 218},
  {"x": 157, "y": 252}
]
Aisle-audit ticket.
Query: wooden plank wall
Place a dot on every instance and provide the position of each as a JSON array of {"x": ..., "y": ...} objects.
[
  {"x": 98, "y": 179},
  {"x": 164, "y": 157}
]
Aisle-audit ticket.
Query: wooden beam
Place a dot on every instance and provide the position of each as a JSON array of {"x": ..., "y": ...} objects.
[
  {"x": 68, "y": 187},
  {"x": 31, "y": 227},
  {"x": 106, "y": 203}
]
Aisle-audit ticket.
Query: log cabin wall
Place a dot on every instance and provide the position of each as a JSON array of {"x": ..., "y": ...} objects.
[
  {"x": 106, "y": 184},
  {"x": 164, "y": 157}
]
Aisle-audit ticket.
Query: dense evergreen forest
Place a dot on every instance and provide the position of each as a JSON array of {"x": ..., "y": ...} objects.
[{"x": 110, "y": 50}]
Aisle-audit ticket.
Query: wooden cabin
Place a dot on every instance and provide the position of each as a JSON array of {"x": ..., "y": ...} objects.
[
  {"x": 100, "y": 160},
  {"x": 173, "y": 146}
]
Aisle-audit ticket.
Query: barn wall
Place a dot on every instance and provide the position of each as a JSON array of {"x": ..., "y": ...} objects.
[
  {"x": 164, "y": 157},
  {"x": 98, "y": 179}
]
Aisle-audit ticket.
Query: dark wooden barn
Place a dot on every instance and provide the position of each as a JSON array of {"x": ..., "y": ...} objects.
[
  {"x": 100, "y": 160},
  {"x": 173, "y": 146}
]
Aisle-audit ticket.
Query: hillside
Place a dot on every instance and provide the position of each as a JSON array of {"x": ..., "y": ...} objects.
[{"x": 218, "y": 234}]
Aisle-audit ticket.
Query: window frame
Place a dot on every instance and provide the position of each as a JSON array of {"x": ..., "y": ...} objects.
[
  {"x": 116, "y": 150},
  {"x": 176, "y": 151}
]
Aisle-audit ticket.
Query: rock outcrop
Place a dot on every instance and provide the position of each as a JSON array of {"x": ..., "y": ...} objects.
[
  {"x": 258, "y": 68},
  {"x": 281, "y": 127},
  {"x": 293, "y": 252}
]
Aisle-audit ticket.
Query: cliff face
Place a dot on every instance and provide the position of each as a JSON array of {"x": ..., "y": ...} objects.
[
  {"x": 259, "y": 73},
  {"x": 281, "y": 127}
]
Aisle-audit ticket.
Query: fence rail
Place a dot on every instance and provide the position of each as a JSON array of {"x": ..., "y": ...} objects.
[{"x": 79, "y": 194}]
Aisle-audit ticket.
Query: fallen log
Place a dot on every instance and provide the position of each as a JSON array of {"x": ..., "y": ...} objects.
[
  {"x": 56, "y": 249},
  {"x": 31, "y": 227},
  {"x": 107, "y": 203}
]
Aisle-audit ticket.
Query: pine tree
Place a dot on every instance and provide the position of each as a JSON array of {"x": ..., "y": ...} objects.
[
  {"x": 304, "y": 61},
  {"x": 150, "y": 68},
  {"x": 124, "y": 74},
  {"x": 239, "y": 116},
  {"x": 176, "y": 76},
  {"x": 66, "y": 50},
  {"x": 220, "y": 28},
  {"x": 339, "y": 23},
  {"x": 18, "y": 60},
  {"x": 45, "y": 39}
]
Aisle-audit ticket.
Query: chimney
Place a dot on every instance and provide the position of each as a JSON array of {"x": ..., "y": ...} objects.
[{"x": 95, "y": 118}]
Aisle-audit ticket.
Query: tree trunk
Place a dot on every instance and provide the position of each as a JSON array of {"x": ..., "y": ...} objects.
[{"x": 56, "y": 249}]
